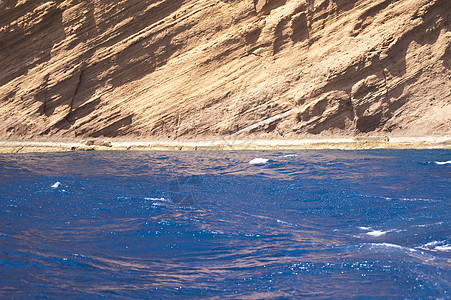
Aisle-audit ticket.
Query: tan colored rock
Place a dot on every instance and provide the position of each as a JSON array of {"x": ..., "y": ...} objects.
[{"x": 186, "y": 68}]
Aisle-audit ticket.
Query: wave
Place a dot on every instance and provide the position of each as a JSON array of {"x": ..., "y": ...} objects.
[
  {"x": 56, "y": 185},
  {"x": 437, "y": 246},
  {"x": 161, "y": 199},
  {"x": 394, "y": 249},
  {"x": 377, "y": 233},
  {"x": 428, "y": 225},
  {"x": 387, "y": 246},
  {"x": 259, "y": 161},
  {"x": 409, "y": 256},
  {"x": 442, "y": 162},
  {"x": 409, "y": 199},
  {"x": 285, "y": 223},
  {"x": 158, "y": 201}
]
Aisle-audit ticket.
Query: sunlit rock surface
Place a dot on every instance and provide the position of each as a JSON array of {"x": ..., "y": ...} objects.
[{"x": 183, "y": 69}]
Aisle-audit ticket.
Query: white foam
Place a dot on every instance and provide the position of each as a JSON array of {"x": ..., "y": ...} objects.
[
  {"x": 376, "y": 233},
  {"x": 56, "y": 185},
  {"x": 259, "y": 161},
  {"x": 408, "y": 199},
  {"x": 158, "y": 199},
  {"x": 418, "y": 199},
  {"x": 389, "y": 245},
  {"x": 436, "y": 246},
  {"x": 364, "y": 228},
  {"x": 384, "y": 245},
  {"x": 444, "y": 248},
  {"x": 393, "y": 246},
  {"x": 290, "y": 155},
  {"x": 285, "y": 223},
  {"x": 432, "y": 244},
  {"x": 443, "y": 162}
]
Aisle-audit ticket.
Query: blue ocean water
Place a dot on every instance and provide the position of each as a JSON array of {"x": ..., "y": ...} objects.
[{"x": 234, "y": 225}]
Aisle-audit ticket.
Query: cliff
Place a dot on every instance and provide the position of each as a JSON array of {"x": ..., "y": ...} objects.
[{"x": 214, "y": 68}]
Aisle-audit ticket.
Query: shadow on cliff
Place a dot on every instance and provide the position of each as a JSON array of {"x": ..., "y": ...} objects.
[
  {"x": 137, "y": 60},
  {"x": 116, "y": 128},
  {"x": 67, "y": 91},
  {"x": 304, "y": 18},
  {"x": 25, "y": 46},
  {"x": 393, "y": 64}
]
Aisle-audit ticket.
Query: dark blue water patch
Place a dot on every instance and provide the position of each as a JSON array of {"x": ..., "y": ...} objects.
[{"x": 320, "y": 224}]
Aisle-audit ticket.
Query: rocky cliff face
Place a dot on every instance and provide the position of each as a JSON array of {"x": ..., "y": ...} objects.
[{"x": 185, "y": 68}]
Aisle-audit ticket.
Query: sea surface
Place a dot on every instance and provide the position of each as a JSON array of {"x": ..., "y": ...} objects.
[{"x": 226, "y": 225}]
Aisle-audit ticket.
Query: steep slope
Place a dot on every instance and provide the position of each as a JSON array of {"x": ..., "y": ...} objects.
[{"x": 183, "y": 69}]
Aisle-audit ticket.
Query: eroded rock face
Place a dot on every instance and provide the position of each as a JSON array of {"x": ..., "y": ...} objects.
[{"x": 173, "y": 68}]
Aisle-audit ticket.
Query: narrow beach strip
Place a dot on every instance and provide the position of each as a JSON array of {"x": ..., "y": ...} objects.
[{"x": 228, "y": 144}]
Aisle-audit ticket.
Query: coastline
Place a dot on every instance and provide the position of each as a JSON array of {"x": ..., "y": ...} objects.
[{"x": 227, "y": 144}]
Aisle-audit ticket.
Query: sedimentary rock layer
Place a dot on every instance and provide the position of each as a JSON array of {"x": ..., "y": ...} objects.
[{"x": 182, "y": 69}]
